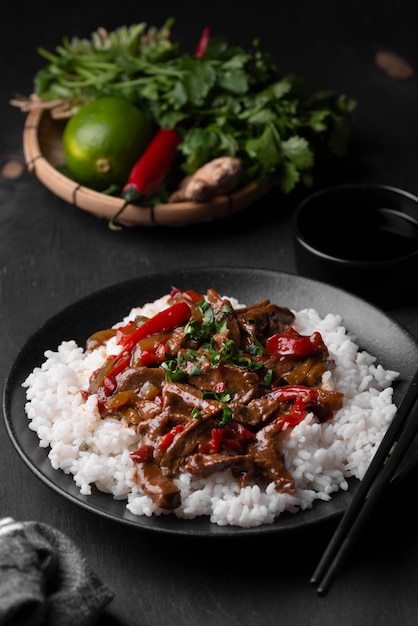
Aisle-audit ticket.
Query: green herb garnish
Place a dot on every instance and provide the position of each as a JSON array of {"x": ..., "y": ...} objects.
[{"x": 231, "y": 102}]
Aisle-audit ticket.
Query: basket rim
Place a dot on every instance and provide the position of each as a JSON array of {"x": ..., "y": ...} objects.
[{"x": 105, "y": 206}]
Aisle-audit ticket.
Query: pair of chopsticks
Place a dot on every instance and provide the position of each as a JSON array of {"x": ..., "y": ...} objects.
[{"x": 384, "y": 464}]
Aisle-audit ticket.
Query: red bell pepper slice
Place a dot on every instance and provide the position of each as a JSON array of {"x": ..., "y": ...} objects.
[
  {"x": 294, "y": 392},
  {"x": 163, "y": 321},
  {"x": 290, "y": 343},
  {"x": 149, "y": 358},
  {"x": 119, "y": 366},
  {"x": 144, "y": 453},
  {"x": 216, "y": 438},
  {"x": 214, "y": 444},
  {"x": 108, "y": 384},
  {"x": 296, "y": 414},
  {"x": 124, "y": 332},
  {"x": 167, "y": 439},
  {"x": 233, "y": 438},
  {"x": 240, "y": 430},
  {"x": 305, "y": 399},
  {"x": 188, "y": 294}
]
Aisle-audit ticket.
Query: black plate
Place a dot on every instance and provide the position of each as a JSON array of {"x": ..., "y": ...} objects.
[{"x": 375, "y": 332}]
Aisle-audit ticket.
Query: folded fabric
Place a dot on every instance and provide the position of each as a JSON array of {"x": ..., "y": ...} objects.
[{"x": 45, "y": 580}]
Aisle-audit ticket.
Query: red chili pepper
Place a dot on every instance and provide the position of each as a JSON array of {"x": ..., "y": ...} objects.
[
  {"x": 150, "y": 170},
  {"x": 203, "y": 42},
  {"x": 290, "y": 343},
  {"x": 153, "y": 166}
]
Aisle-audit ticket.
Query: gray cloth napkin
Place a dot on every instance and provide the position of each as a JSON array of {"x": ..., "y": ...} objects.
[{"x": 45, "y": 580}]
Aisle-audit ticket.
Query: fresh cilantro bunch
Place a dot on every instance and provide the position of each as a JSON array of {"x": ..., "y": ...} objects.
[{"x": 229, "y": 102}]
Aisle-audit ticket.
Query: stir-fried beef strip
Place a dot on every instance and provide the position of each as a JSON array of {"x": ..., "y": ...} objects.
[
  {"x": 161, "y": 490},
  {"x": 183, "y": 398},
  {"x": 208, "y": 396},
  {"x": 256, "y": 413},
  {"x": 269, "y": 461},
  {"x": 203, "y": 465},
  {"x": 169, "y": 344},
  {"x": 242, "y": 385},
  {"x": 135, "y": 378},
  {"x": 171, "y": 459},
  {"x": 262, "y": 320},
  {"x": 222, "y": 307}
]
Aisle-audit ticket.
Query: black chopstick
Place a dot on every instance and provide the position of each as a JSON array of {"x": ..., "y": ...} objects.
[{"x": 384, "y": 464}]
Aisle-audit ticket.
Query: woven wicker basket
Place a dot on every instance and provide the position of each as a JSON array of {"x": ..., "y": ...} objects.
[{"x": 42, "y": 144}]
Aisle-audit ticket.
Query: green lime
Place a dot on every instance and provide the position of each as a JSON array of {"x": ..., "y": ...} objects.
[{"x": 103, "y": 140}]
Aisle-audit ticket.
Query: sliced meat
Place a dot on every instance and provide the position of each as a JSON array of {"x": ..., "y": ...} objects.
[
  {"x": 242, "y": 384},
  {"x": 183, "y": 398},
  {"x": 154, "y": 428},
  {"x": 264, "y": 319},
  {"x": 134, "y": 378},
  {"x": 184, "y": 443},
  {"x": 147, "y": 409},
  {"x": 203, "y": 465},
  {"x": 174, "y": 342},
  {"x": 256, "y": 413},
  {"x": 223, "y": 309},
  {"x": 269, "y": 463},
  {"x": 161, "y": 489}
]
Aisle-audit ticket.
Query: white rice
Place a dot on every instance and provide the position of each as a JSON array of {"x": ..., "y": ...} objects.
[{"x": 320, "y": 457}]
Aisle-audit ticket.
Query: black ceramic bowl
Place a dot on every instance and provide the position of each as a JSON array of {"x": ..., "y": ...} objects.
[{"x": 362, "y": 238}]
